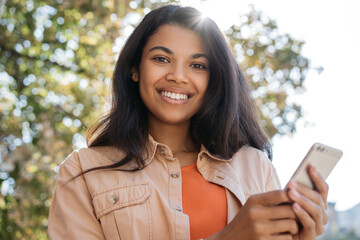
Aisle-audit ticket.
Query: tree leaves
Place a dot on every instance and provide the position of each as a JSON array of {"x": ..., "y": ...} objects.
[{"x": 274, "y": 65}]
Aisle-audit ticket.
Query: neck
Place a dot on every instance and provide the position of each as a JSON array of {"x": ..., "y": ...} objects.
[{"x": 175, "y": 136}]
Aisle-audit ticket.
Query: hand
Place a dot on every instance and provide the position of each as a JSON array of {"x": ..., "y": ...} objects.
[
  {"x": 263, "y": 216},
  {"x": 310, "y": 205}
]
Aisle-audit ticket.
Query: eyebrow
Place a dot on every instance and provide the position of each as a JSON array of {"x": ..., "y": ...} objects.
[
  {"x": 168, "y": 51},
  {"x": 165, "y": 49}
]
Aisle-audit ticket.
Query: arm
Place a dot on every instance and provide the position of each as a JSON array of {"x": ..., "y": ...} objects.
[{"x": 71, "y": 212}]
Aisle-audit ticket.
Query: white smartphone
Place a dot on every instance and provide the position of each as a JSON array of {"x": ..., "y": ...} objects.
[{"x": 323, "y": 157}]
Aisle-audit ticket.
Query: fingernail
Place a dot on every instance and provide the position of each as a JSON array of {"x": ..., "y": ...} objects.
[
  {"x": 296, "y": 206},
  {"x": 294, "y": 193},
  {"x": 314, "y": 170},
  {"x": 292, "y": 183}
]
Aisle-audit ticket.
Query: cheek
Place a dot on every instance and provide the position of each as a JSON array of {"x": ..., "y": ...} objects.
[
  {"x": 146, "y": 82},
  {"x": 145, "y": 92},
  {"x": 203, "y": 85},
  {"x": 149, "y": 76}
]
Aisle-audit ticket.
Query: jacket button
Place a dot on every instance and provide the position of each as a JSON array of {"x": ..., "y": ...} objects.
[
  {"x": 113, "y": 199},
  {"x": 175, "y": 175},
  {"x": 177, "y": 208}
]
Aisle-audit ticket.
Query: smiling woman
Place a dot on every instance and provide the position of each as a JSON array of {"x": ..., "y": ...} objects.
[{"x": 181, "y": 154}]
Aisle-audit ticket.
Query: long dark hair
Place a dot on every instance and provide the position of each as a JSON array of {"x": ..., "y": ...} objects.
[{"x": 226, "y": 121}]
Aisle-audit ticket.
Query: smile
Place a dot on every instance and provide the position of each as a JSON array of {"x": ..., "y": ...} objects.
[{"x": 175, "y": 96}]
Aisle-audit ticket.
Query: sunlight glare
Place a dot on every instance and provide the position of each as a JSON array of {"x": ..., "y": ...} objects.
[
  {"x": 207, "y": 9},
  {"x": 202, "y": 6},
  {"x": 219, "y": 12}
]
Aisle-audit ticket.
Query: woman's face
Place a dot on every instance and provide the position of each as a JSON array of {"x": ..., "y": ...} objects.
[{"x": 173, "y": 74}]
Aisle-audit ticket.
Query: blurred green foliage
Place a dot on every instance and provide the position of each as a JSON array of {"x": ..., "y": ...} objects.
[
  {"x": 56, "y": 63},
  {"x": 275, "y": 66}
]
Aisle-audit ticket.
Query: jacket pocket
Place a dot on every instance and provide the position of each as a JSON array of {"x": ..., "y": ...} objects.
[{"x": 124, "y": 211}]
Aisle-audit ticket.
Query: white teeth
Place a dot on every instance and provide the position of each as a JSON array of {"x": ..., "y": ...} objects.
[{"x": 175, "y": 96}]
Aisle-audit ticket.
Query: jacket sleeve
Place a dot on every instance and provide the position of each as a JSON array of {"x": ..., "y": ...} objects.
[
  {"x": 272, "y": 181},
  {"x": 72, "y": 214}
]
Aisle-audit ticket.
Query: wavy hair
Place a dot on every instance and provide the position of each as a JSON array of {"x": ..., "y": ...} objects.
[{"x": 227, "y": 119}]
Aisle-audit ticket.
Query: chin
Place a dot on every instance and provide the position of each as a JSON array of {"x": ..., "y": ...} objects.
[{"x": 174, "y": 120}]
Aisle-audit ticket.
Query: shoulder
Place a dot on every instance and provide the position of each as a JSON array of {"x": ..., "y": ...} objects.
[
  {"x": 91, "y": 157},
  {"x": 251, "y": 155},
  {"x": 83, "y": 159},
  {"x": 255, "y": 167}
]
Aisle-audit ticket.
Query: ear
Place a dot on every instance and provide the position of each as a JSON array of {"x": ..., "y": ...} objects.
[{"x": 134, "y": 75}]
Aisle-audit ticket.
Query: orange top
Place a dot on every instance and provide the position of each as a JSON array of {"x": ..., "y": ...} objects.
[{"x": 204, "y": 203}]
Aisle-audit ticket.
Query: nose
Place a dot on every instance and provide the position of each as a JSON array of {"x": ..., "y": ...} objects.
[{"x": 178, "y": 73}]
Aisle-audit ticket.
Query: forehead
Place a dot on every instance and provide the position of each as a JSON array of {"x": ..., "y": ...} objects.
[{"x": 177, "y": 39}]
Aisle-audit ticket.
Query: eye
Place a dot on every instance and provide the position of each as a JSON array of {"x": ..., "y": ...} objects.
[
  {"x": 161, "y": 59},
  {"x": 199, "y": 66}
]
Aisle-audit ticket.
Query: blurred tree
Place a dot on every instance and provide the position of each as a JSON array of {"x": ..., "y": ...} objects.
[
  {"x": 56, "y": 63},
  {"x": 274, "y": 65}
]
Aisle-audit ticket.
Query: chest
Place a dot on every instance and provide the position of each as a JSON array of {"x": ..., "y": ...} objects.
[{"x": 143, "y": 205}]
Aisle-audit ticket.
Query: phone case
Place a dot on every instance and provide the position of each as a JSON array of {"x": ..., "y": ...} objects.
[{"x": 323, "y": 157}]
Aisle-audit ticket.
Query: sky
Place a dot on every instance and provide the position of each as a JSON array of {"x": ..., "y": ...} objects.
[{"x": 331, "y": 31}]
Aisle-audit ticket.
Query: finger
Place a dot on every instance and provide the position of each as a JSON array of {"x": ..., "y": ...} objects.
[
  {"x": 277, "y": 227},
  {"x": 313, "y": 195},
  {"x": 314, "y": 210},
  {"x": 284, "y": 226},
  {"x": 271, "y": 198},
  {"x": 278, "y": 212},
  {"x": 286, "y": 236},
  {"x": 296, "y": 237},
  {"x": 321, "y": 186},
  {"x": 308, "y": 224}
]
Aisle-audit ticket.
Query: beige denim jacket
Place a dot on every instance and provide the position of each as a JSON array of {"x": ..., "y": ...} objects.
[{"x": 145, "y": 204}]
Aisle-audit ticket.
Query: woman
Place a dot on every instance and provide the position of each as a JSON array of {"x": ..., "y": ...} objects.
[{"x": 181, "y": 153}]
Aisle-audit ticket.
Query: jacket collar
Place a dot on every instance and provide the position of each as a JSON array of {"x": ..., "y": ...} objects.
[{"x": 153, "y": 146}]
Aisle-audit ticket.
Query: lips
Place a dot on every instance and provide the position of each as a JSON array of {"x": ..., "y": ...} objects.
[{"x": 174, "y": 96}]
